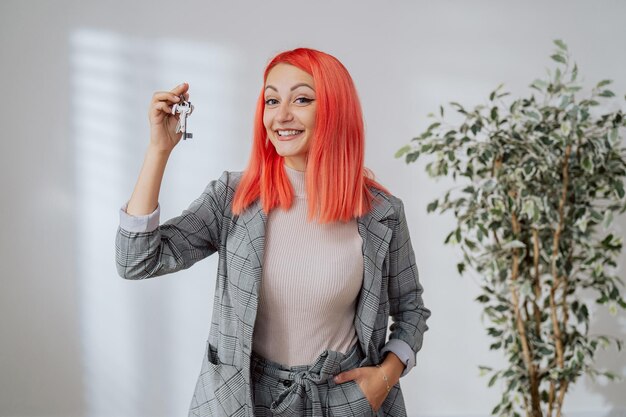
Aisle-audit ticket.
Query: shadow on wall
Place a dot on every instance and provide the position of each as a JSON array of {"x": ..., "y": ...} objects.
[{"x": 125, "y": 327}]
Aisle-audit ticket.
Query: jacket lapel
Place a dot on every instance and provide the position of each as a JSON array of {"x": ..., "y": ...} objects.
[{"x": 376, "y": 237}]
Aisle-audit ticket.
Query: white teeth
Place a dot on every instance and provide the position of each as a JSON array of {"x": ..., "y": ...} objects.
[{"x": 288, "y": 132}]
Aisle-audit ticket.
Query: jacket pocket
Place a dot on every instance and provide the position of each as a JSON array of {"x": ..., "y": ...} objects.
[
  {"x": 360, "y": 392},
  {"x": 347, "y": 398},
  {"x": 220, "y": 389}
]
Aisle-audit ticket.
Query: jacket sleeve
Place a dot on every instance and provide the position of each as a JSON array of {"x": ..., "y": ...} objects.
[
  {"x": 407, "y": 308},
  {"x": 145, "y": 249}
]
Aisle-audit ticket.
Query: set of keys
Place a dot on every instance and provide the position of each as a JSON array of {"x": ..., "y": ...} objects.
[{"x": 184, "y": 108}]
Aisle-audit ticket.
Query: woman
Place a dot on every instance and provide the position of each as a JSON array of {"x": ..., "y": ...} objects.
[{"x": 314, "y": 255}]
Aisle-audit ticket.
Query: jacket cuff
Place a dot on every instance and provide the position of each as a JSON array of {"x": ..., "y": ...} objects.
[
  {"x": 144, "y": 223},
  {"x": 403, "y": 351}
]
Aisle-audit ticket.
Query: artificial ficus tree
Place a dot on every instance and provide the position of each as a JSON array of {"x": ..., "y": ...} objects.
[{"x": 543, "y": 179}]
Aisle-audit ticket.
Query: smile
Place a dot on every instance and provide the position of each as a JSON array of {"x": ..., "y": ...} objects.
[{"x": 288, "y": 134}]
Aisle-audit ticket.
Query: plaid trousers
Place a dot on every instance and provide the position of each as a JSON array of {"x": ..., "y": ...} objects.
[{"x": 309, "y": 390}]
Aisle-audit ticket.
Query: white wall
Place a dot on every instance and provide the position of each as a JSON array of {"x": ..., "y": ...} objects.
[{"x": 77, "y": 77}]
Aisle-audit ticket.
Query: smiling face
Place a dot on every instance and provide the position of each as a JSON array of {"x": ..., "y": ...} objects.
[{"x": 289, "y": 115}]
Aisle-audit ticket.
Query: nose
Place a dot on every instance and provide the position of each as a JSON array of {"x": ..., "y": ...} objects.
[{"x": 284, "y": 112}]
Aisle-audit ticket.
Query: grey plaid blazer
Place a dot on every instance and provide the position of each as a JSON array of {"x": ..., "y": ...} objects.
[{"x": 390, "y": 286}]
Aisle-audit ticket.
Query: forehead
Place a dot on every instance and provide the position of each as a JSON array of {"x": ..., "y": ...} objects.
[{"x": 286, "y": 75}]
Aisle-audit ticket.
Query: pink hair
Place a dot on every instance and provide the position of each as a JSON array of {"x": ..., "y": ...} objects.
[{"x": 336, "y": 180}]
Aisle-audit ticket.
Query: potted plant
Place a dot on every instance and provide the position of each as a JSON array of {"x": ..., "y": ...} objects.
[{"x": 544, "y": 176}]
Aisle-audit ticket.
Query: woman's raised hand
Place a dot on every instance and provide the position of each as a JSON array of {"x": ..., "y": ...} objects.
[{"x": 163, "y": 136}]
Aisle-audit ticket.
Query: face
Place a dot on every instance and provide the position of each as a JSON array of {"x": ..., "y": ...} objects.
[{"x": 289, "y": 115}]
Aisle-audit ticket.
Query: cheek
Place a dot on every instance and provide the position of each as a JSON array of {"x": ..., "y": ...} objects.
[
  {"x": 307, "y": 119},
  {"x": 311, "y": 120},
  {"x": 267, "y": 120}
]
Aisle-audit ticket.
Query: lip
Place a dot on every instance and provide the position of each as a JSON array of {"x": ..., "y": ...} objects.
[{"x": 287, "y": 138}]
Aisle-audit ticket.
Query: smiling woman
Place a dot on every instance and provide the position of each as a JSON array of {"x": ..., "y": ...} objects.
[
  {"x": 311, "y": 92},
  {"x": 289, "y": 115},
  {"x": 302, "y": 309}
]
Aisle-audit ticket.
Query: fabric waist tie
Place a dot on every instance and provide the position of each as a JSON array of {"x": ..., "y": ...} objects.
[{"x": 301, "y": 381}]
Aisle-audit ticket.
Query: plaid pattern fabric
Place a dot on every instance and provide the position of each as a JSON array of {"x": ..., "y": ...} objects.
[
  {"x": 391, "y": 288},
  {"x": 309, "y": 390}
]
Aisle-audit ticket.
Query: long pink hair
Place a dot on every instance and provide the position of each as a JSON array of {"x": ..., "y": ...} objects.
[{"x": 336, "y": 180}]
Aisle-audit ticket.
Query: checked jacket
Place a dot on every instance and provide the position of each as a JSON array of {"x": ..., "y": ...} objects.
[{"x": 391, "y": 288}]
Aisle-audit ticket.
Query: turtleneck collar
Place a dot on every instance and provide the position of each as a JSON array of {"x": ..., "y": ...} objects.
[{"x": 297, "y": 181}]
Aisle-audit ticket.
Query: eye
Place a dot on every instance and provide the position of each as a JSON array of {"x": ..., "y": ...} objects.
[
  {"x": 305, "y": 100},
  {"x": 270, "y": 101}
]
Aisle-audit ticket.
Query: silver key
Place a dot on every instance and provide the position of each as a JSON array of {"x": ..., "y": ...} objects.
[{"x": 184, "y": 108}]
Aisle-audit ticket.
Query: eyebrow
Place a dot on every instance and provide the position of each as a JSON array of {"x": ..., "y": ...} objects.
[{"x": 292, "y": 88}]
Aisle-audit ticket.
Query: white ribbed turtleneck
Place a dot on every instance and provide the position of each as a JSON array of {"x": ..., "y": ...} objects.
[{"x": 312, "y": 276}]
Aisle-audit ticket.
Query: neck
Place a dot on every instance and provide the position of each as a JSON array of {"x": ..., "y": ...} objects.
[{"x": 297, "y": 179}]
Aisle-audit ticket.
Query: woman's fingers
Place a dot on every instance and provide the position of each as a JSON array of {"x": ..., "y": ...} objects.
[
  {"x": 157, "y": 108},
  {"x": 180, "y": 89},
  {"x": 165, "y": 96},
  {"x": 172, "y": 96},
  {"x": 161, "y": 105}
]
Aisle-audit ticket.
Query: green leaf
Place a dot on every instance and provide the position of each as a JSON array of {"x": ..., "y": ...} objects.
[
  {"x": 607, "y": 93},
  {"x": 534, "y": 115},
  {"x": 587, "y": 164},
  {"x": 603, "y": 83},
  {"x": 494, "y": 113},
  {"x": 489, "y": 185},
  {"x": 432, "y": 206},
  {"x": 560, "y": 44},
  {"x": 514, "y": 244},
  {"x": 460, "y": 108},
  {"x": 558, "y": 58},
  {"x": 619, "y": 189},
  {"x": 402, "y": 151},
  {"x": 596, "y": 215},
  {"x": 482, "y": 298},
  {"x": 470, "y": 244},
  {"x": 573, "y": 89},
  {"x": 495, "y": 346},
  {"x": 412, "y": 157},
  {"x": 492, "y": 331},
  {"x": 613, "y": 138},
  {"x": 434, "y": 125}
]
